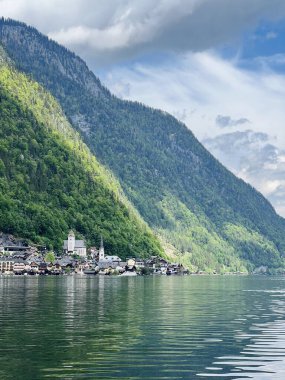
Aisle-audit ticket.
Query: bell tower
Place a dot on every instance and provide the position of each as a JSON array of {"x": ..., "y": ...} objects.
[
  {"x": 101, "y": 250},
  {"x": 71, "y": 242}
]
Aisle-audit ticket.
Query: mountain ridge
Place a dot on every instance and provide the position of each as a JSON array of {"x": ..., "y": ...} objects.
[
  {"x": 214, "y": 220},
  {"x": 49, "y": 180}
]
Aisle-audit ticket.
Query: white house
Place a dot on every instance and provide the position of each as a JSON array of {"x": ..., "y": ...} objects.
[
  {"x": 110, "y": 262},
  {"x": 105, "y": 262},
  {"x": 71, "y": 246},
  {"x": 6, "y": 264}
]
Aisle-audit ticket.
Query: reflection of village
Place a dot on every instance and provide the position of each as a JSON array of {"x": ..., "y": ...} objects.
[{"x": 19, "y": 259}]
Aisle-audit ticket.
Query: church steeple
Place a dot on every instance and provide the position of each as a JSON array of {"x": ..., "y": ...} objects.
[
  {"x": 101, "y": 250},
  {"x": 71, "y": 241}
]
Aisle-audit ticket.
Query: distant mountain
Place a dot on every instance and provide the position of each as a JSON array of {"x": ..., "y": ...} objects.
[
  {"x": 50, "y": 182},
  {"x": 200, "y": 210}
]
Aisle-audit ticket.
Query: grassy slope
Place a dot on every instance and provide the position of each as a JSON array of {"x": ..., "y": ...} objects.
[{"x": 49, "y": 180}]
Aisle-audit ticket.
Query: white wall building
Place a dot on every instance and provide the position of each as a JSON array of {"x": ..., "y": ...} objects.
[
  {"x": 101, "y": 251},
  {"x": 71, "y": 246},
  {"x": 105, "y": 262}
]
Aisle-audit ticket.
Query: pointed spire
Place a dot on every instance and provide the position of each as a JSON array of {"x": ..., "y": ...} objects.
[{"x": 101, "y": 243}]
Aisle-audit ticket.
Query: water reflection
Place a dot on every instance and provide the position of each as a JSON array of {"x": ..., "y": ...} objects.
[
  {"x": 142, "y": 328},
  {"x": 263, "y": 355}
]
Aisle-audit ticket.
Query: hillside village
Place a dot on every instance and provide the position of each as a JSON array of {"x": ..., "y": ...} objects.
[{"x": 19, "y": 258}]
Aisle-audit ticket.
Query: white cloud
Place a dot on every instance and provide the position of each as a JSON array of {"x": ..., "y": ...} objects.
[
  {"x": 114, "y": 37},
  {"x": 199, "y": 87},
  {"x": 271, "y": 35},
  {"x": 209, "y": 85},
  {"x": 253, "y": 157},
  {"x": 226, "y": 121},
  {"x": 130, "y": 24},
  {"x": 123, "y": 27}
]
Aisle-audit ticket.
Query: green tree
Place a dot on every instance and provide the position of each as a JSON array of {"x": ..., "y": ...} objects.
[{"x": 50, "y": 257}]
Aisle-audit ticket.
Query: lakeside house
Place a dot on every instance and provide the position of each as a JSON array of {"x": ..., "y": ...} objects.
[
  {"x": 94, "y": 252},
  {"x": 110, "y": 262},
  {"x": 10, "y": 246},
  {"x": 107, "y": 262},
  {"x": 19, "y": 267},
  {"x": 6, "y": 264},
  {"x": 139, "y": 263},
  {"x": 19, "y": 259},
  {"x": 71, "y": 246}
]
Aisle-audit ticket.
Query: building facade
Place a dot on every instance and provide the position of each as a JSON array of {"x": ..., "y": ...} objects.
[
  {"x": 71, "y": 246},
  {"x": 101, "y": 251}
]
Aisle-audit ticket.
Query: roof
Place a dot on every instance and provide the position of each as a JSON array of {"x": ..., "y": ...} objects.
[
  {"x": 11, "y": 259},
  {"x": 111, "y": 259},
  {"x": 78, "y": 244},
  {"x": 64, "y": 262},
  {"x": 33, "y": 259},
  {"x": 15, "y": 248},
  {"x": 20, "y": 262},
  {"x": 20, "y": 255}
]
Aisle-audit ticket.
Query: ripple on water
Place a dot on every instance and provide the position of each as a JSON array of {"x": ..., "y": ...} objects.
[
  {"x": 263, "y": 358},
  {"x": 142, "y": 328}
]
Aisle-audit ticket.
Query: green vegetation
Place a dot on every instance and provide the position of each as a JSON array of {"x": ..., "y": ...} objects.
[
  {"x": 50, "y": 257},
  {"x": 203, "y": 214},
  {"x": 49, "y": 181}
]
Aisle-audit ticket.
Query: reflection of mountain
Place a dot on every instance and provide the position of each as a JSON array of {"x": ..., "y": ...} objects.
[
  {"x": 142, "y": 328},
  {"x": 106, "y": 312}
]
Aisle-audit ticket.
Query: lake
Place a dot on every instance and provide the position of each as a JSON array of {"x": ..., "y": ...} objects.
[{"x": 191, "y": 327}]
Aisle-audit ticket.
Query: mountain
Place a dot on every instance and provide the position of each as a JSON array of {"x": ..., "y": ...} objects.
[
  {"x": 49, "y": 180},
  {"x": 200, "y": 210}
]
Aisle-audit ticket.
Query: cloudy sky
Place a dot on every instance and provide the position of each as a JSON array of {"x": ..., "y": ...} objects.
[{"x": 217, "y": 65}]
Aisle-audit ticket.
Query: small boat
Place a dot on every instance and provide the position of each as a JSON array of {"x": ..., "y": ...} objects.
[
  {"x": 129, "y": 274},
  {"x": 90, "y": 271}
]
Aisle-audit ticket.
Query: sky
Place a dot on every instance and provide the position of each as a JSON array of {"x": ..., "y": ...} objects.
[{"x": 217, "y": 65}]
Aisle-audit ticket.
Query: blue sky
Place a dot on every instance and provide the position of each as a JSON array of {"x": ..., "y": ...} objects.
[
  {"x": 266, "y": 39},
  {"x": 217, "y": 65}
]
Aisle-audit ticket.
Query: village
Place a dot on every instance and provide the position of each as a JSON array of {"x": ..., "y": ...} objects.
[{"x": 18, "y": 258}]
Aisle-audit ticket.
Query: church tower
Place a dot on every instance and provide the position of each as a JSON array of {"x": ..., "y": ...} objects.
[
  {"x": 71, "y": 242},
  {"x": 101, "y": 250}
]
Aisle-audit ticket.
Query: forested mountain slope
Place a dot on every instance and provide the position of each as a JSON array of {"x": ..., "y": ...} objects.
[
  {"x": 211, "y": 217},
  {"x": 50, "y": 182}
]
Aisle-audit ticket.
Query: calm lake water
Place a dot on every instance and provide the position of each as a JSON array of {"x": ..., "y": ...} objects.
[{"x": 191, "y": 327}]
